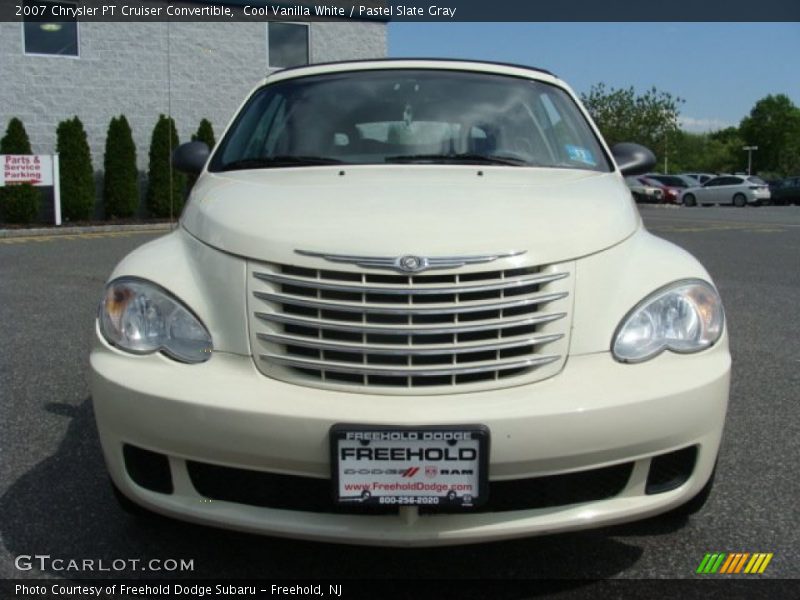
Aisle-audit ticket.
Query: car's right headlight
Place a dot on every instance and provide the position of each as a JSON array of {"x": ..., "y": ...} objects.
[
  {"x": 685, "y": 316},
  {"x": 141, "y": 317}
]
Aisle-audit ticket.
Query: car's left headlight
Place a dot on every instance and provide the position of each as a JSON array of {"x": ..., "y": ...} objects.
[
  {"x": 685, "y": 316},
  {"x": 141, "y": 317}
]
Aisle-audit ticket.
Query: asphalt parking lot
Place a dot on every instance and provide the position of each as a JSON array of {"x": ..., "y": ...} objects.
[{"x": 54, "y": 497}]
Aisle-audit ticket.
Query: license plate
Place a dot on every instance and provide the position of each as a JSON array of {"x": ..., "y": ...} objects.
[{"x": 444, "y": 466}]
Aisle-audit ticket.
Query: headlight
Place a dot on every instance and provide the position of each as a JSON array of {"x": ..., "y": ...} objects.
[
  {"x": 685, "y": 316},
  {"x": 141, "y": 317}
]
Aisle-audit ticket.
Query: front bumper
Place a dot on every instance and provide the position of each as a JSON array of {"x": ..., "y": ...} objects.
[{"x": 596, "y": 413}]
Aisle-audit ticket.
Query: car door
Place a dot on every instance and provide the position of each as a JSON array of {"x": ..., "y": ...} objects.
[
  {"x": 724, "y": 189},
  {"x": 792, "y": 193},
  {"x": 709, "y": 191},
  {"x": 730, "y": 187},
  {"x": 784, "y": 190}
]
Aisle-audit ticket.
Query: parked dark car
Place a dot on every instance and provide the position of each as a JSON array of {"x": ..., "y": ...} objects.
[
  {"x": 679, "y": 181},
  {"x": 786, "y": 191}
]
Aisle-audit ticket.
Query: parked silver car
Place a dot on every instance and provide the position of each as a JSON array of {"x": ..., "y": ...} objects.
[
  {"x": 644, "y": 191},
  {"x": 739, "y": 190}
]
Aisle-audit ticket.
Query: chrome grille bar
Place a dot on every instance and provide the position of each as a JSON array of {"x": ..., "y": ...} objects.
[
  {"x": 424, "y": 350},
  {"x": 364, "y": 369},
  {"x": 532, "y": 300},
  {"x": 409, "y": 291},
  {"x": 497, "y": 324}
]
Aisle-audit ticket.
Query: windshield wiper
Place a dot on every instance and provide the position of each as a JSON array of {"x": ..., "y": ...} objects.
[
  {"x": 481, "y": 159},
  {"x": 287, "y": 160}
]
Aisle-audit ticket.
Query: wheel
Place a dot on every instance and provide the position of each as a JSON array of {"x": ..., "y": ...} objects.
[
  {"x": 689, "y": 200},
  {"x": 696, "y": 503},
  {"x": 740, "y": 200}
]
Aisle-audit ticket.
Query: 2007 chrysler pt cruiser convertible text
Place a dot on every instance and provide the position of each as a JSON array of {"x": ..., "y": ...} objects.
[{"x": 410, "y": 302}]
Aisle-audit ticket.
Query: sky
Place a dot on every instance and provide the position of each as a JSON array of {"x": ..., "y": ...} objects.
[{"x": 720, "y": 69}]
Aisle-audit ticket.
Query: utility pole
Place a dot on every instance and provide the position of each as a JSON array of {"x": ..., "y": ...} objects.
[
  {"x": 749, "y": 150},
  {"x": 666, "y": 159}
]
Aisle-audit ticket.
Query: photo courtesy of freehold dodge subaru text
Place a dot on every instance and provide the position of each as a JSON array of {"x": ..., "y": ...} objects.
[{"x": 411, "y": 303}]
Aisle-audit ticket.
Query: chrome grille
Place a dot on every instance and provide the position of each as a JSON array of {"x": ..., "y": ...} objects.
[{"x": 346, "y": 329}]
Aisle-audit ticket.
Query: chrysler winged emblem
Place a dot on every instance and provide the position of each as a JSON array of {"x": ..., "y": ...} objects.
[{"x": 409, "y": 263}]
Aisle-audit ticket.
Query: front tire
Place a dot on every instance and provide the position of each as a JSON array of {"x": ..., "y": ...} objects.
[
  {"x": 740, "y": 200},
  {"x": 689, "y": 200}
]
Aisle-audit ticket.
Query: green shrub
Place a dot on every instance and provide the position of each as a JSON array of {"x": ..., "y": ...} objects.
[
  {"x": 165, "y": 185},
  {"x": 15, "y": 141},
  {"x": 76, "y": 173},
  {"x": 120, "y": 180},
  {"x": 18, "y": 203},
  {"x": 204, "y": 133}
]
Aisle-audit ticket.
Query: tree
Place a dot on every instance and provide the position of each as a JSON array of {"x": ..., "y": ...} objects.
[
  {"x": 623, "y": 116},
  {"x": 15, "y": 141},
  {"x": 76, "y": 172},
  {"x": 18, "y": 203},
  {"x": 717, "y": 152},
  {"x": 204, "y": 133},
  {"x": 774, "y": 126},
  {"x": 165, "y": 185},
  {"x": 725, "y": 153},
  {"x": 121, "y": 177}
]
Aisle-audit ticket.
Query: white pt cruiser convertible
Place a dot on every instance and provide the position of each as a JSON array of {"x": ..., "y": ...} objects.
[{"x": 411, "y": 303}]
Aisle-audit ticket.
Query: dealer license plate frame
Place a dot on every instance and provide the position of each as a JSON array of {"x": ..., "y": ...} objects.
[{"x": 471, "y": 436}]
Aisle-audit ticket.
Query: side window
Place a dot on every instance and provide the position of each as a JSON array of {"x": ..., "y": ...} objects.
[
  {"x": 287, "y": 45},
  {"x": 45, "y": 34},
  {"x": 714, "y": 182}
]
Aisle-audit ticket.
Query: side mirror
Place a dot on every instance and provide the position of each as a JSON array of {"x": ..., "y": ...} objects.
[
  {"x": 190, "y": 157},
  {"x": 633, "y": 159}
]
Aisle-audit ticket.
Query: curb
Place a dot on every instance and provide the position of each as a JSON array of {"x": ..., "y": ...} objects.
[{"x": 55, "y": 231}]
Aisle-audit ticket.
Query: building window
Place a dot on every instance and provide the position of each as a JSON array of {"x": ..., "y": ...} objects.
[
  {"x": 53, "y": 33},
  {"x": 287, "y": 45}
]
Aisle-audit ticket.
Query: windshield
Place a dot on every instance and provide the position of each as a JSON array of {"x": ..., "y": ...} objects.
[{"x": 409, "y": 116}]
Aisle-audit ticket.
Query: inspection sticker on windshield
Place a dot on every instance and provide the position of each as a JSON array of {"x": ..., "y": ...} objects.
[
  {"x": 581, "y": 155},
  {"x": 443, "y": 466}
]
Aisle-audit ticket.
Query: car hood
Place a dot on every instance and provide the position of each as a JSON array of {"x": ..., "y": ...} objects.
[{"x": 429, "y": 210}]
